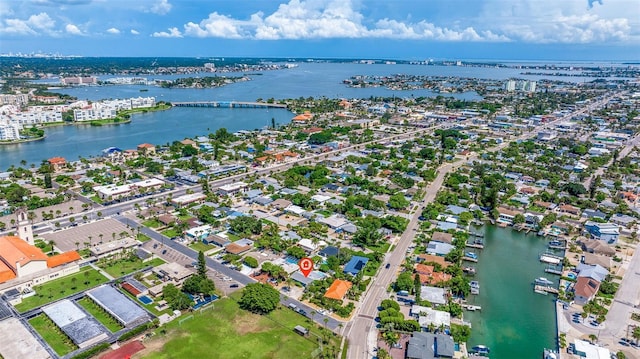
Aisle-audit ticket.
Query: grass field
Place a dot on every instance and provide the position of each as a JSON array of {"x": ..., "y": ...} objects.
[
  {"x": 104, "y": 318},
  {"x": 236, "y": 334},
  {"x": 123, "y": 267},
  {"x": 60, "y": 288},
  {"x": 199, "y": 246},
  {"x": 142, "y": 237},
  {"x": 57, "y": 340},
  {"x": 171, "y": 232},
  {"x": 152, "y": 223}
]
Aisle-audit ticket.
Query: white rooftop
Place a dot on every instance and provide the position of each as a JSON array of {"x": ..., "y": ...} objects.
[{"x": 591, "y": 351}]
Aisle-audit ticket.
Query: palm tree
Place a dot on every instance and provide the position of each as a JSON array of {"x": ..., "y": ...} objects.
[
  {"x": 636, "y": 334},
  {"x": 100, "y": 235}
]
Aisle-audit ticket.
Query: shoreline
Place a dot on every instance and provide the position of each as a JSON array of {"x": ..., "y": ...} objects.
[{"x": 16, "y": 142}]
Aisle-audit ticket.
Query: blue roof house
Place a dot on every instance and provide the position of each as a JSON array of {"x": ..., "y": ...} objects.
[
  {"x": 355, "y": 265},
  {"x": 603, "y": 231}
]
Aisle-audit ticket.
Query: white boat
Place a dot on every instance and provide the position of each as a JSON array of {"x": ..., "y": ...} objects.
[
  {"x": 550, "y": 354},
  {"x": 543, "y": 281},
  {"x": 475, "y": 287}
]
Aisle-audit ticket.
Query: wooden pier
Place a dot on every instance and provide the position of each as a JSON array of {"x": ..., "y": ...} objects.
[
  {"x": 229, "y": 104},
  {"x": 474, "y": 245},
  {"x": 469, "y": 259},
  {"x": 545, "y": 289},
  {"x": 553, "y": 271}
]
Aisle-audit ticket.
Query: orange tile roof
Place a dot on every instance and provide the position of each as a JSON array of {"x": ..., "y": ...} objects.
[
  {"x": 63, "y": 258},
  {"x": 430, "y": 258},
  {"x": 6, "y": 273},
  {"x": 424, "y": 269},
  {"x": 14, "y": 250},
  {"x": 57, "y": 160},
  {"x": 145, "y": 145},
  {"x": 338, "y": 289},
  {"x": 303, "y": 117}
]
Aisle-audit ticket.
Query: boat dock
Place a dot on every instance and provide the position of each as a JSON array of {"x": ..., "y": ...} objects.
[
  {"x": 554, "y": 269},
  {"x": 470, "y": 307},
  {"x": 544, "y": 289},
  {"x": 229, "y": 104},
  {"x": 474, "y": 260},
  {"x": 475, "y": 244},
  {"x": 550, "y": 258}
]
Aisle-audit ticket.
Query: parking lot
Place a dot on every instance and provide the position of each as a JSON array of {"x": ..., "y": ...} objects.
[
  {"x": 99, "y": 231},
  {"x": 223, "y": 283}
]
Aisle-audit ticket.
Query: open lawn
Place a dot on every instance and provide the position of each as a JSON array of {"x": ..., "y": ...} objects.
[
  {"x": 143, "y": 237},
  {"x": 199, "y": 246},
  {"x": 121, "y": 267},
  {"x": 63, "y": 287},
  {"x": 236, "y": 334},
  {"x": 56, "y": 339},
  {"x": 171, "y": 232},
  {"x": 152, "y": 223},
  {"x": 104, "y": 318},
  {"x": 381, "y": 247}
]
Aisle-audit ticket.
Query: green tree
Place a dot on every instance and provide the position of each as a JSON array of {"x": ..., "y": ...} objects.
[
  {"x": 251, "y": 262},
  {"x": 47, "y": 180},
  {"x": 398, "y": 201},
  {"x": 259, "y": 298},
  {"x": 404, "y": 282},
  {"x": 202, "y": 265}
]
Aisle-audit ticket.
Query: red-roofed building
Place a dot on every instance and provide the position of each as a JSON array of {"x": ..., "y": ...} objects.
[
  {"x": 146, "y": 149},
  {"x": 303, "y": 117},
  {"x": 57, "y": 163},
  {"x": 338, "y": 289},
  {"x": 585, "y": 289},
  {"x": 63, "y": 258}
]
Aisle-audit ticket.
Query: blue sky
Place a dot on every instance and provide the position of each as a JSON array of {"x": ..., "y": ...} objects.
[{"x": 402, "y": 29}]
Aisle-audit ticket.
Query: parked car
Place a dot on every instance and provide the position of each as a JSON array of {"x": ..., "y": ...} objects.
[
  {"x": 387, "y": 266},
  {"x": 234, "y": 285}
]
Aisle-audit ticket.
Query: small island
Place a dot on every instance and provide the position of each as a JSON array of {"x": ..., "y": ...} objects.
[{"x": 202, "y": 82}]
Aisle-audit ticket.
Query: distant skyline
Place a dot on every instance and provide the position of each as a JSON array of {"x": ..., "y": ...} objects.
[{"x": 598, "y": 30}]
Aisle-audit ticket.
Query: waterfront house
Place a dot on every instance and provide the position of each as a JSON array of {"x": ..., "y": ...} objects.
[
  {"x": 585, "y": 289},
  {"x": 442, "y": 237},
  {"x": 429, "y": 345},
  {"x": 439, "y": 248},
  {"x": 607, "y": 232},
  {"x": 587, "y": 350},
  {"x": 593, "y": 271},
  {"x": 430, "y": 317},
  {"x": 428, "y": 275},
  {"x": 429, "y": 258},
  {"x": 434, "y": 295},
  {"x": 506, "y": 215},
  {"x": 146, "y": 149},
  {"x": 57, "y": 163}
]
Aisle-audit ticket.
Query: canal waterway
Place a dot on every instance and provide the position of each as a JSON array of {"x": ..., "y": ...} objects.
[{"x": 514, "y": 322}]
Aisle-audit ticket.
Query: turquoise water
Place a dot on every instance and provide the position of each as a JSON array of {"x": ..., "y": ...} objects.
[{"x": 514, "y": 322}]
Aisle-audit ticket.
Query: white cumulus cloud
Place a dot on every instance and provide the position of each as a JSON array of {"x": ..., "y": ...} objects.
[
  {"x": 113, "y": 31},
  {"x": 216, "y": 25},
  {"x": 162, "y": 7},
  {"x": 38, "y": 24},
  {"x": 72, "y": 29},
  {"x": 173, "y": 32},
  {"x": 135, "y": 32}
]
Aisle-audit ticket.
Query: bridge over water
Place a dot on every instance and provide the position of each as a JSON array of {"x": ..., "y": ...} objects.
[{"x": 229, "y": 104}]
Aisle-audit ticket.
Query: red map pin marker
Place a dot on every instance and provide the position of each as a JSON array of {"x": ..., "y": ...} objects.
[{"x": 306, "y": 266}]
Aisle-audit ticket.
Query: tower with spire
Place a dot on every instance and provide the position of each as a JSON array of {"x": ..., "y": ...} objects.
[{"x": 25, "y": 229}]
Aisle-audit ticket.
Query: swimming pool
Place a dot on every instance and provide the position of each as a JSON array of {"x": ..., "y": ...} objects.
[
  {"x": 571, "y": 275},
  {"x": 145, "y": 300}
]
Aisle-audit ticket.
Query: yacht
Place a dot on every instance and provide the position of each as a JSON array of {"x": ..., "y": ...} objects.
[
  {"x": 549, "y": 354},
  {"x": 543, "y": 281},
  {"x": 482, "y": 350},
  {"x": 471, "y": 255},
  {"x": 475, "y": 287}
]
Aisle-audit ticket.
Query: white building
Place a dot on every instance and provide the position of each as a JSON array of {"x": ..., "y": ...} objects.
[
  {"x": 36, "y": 117},
  {"x": 9, "y": 132}
]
